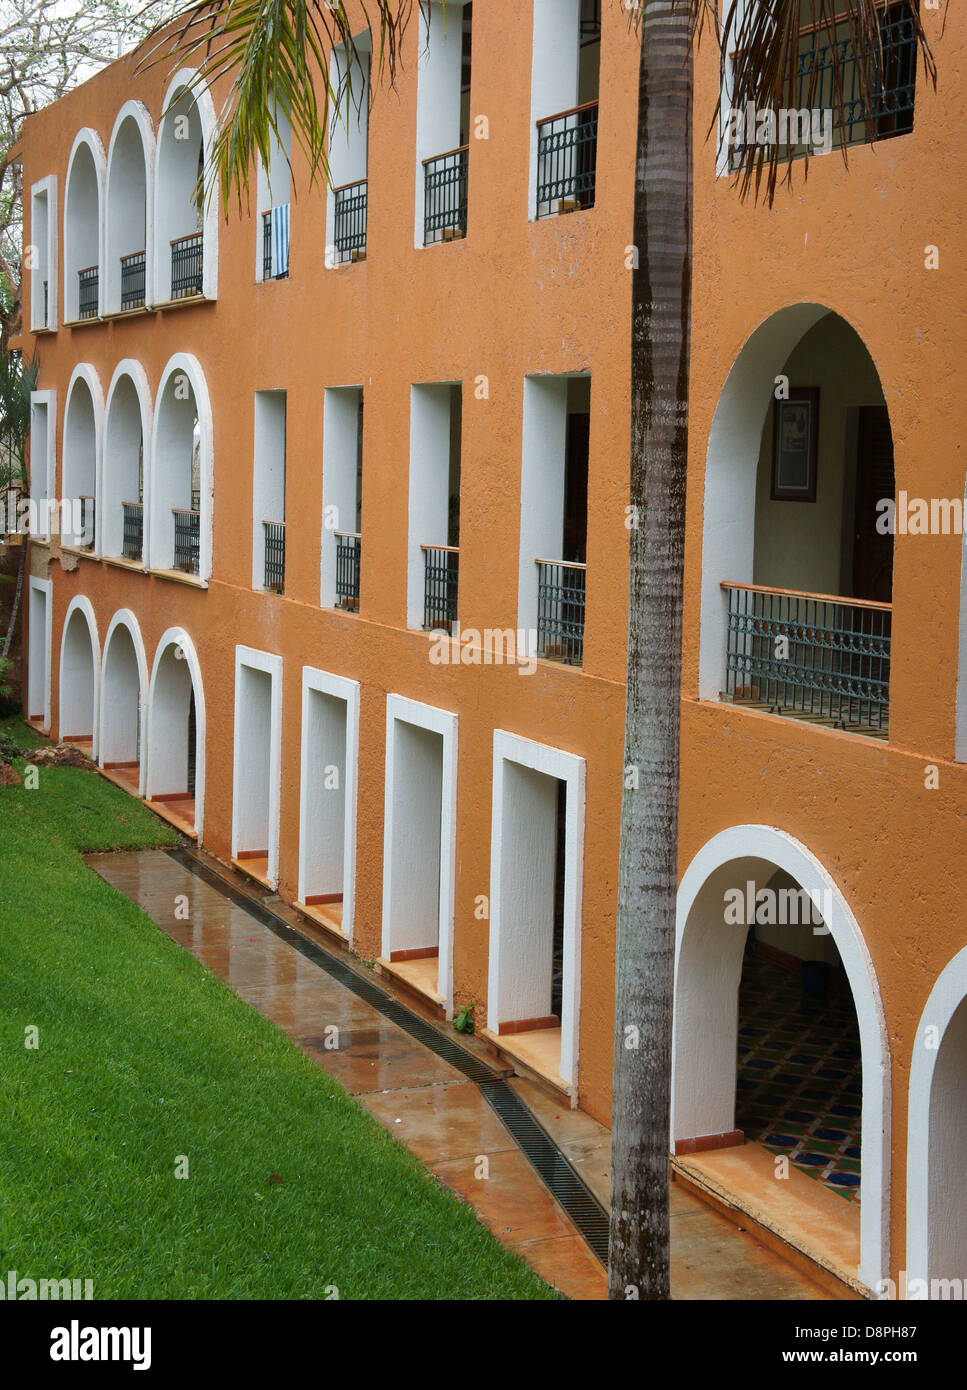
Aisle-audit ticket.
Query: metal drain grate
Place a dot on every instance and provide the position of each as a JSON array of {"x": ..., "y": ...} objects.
[
  {"x": 557, "y": 1175},
  {"x": 569, "y": 1190}
]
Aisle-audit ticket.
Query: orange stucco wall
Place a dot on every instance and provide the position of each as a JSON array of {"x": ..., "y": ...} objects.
[{"x": 518, "y": 297}]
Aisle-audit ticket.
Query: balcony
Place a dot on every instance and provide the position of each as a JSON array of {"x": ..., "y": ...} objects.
[
  {"x": 347, "y": 570},
  {"x": 567, "y": 146},
  {"x": 560, "y": 611},
  {"x": 441, "y": 565},
  {"x": 132, "y": 535},
  {"x": 349, "y": 235},
  {"x": 87, "y": 292},
  {"x": 814, "y": 657},
  {"x": 187, "y": 540},
  {"x": 86, "y": 537},
  {"x": 187, "y": 264},
  {"x": 274, "y": 532},
  {"x": 132, "y": 281},
  {"x": 445, "y": 197},
  {"x": 275, "y": 243},
  {"x": 893, "y": 74}
]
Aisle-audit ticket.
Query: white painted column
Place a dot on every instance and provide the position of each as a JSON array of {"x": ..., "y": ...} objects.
[
  {"x": 438, "y": 93},
  {"x": 340, "y": 452},
  {"x": 429, "y": 505},
  {"x": 541, "y": 489}
]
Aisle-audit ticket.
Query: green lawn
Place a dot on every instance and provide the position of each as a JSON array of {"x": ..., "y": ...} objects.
[{"x": 144, "y": 1055}]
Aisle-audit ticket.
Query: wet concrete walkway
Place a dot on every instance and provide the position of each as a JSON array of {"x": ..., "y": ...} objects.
[{"x": 428, "y": 1103}]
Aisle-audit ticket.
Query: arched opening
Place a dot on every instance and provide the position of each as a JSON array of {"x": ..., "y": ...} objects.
[
  {"x": 127, "y": 429},
  {"x": 128, "y": 221},
  {"x": 79, "y": 663},
  {"x": 82, "y": 229},
  {"x": 80, "y": 448},
  {"x": 176, "y": 738},
  {"x": 121, "y": 722},
  {"x": 179, "y": 527},
  {"x": 777, "y": 1018},
  {"x": 797, "y": 564},
  {"x": 937, "y": 1142},
  {"x": 186, "y": 223}
]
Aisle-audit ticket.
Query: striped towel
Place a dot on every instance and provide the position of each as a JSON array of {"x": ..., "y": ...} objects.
[{"x": 280, "y": 240}]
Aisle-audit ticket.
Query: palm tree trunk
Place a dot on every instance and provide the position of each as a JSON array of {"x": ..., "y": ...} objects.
[
  {"x": 647, "y": 873},
  {"x": 15, "y": 609}
]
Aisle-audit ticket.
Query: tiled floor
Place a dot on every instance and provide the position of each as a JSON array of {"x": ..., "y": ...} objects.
[
  {"x": 431, "y": 1107},
  {"x": 800, "y": 1082}
]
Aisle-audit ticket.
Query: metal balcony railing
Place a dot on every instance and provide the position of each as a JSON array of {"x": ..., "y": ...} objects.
[
  {"x": 274, "y": 555},
  {"x": 347, "y": 570},
  {"x": 86, "y": 537},
  {"x": 275, "y": 266},
  {"x": 87, "y": 292},
  {"x": 560, "y": 611},
  {"x": 349, "y": 230},
  {"x": 46, "y": 309},
  {"x": 816, "y": 656},
  {"x": 445, "y": 196},
  {"x": 441, "y": 566},
  {"x": 132, "y": 280},
  {"x": 187, "y": 540},
  {"x": 187, "y": 265},
  {"x": 892, "y": 82},
  {"x": 567, "y": 148},
  {"x": 132, "y": 534}
]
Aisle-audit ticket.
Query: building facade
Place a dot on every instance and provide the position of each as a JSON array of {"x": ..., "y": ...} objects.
[{"x": 343, "y": 590}]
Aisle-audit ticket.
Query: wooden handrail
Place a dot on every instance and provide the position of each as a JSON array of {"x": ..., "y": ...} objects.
[
  {"x": 360, "y": 183},
  {"x": 450, "y": 549},
  {"x": 88, "y": 268},
  {"x": 348, "y": 535},
  {"x": 446, "y": 154},
  {"x": 571, "y": 111},
  {"x": 565, "y": 564},
  {"x": 136, "y": 504},
  {"x": 185, "y": 511},
  {"x": 188, "y": 236},
  {"x": 817, "y": 598}
]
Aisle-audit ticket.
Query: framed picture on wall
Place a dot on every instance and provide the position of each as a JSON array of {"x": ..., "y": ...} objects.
[{"x": 794, "y": 446}]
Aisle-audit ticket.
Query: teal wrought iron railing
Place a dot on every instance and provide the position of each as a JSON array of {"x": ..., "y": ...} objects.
[
  {"x": 567, "y": 149},
  {"x": 823, "y": 658},
  {"x": 892, "y": 75},
  {"x": 560, "y": 611},
  {"x": 187, "y": 540},
  {"x": 274, "y": 555},
  {"x": 347, "y": 570},
  {"x": 86, "y": 537},
  {"x": 132, "y": 535},
  {"x": 349, "y": 221},
  {"x": 440, "y": 574},
  {"x": 187, "y": 265},
  {"x": 87, "y": 292},
  {"x": 132, "y": 280},
  {"x": 445, "y": 196}
]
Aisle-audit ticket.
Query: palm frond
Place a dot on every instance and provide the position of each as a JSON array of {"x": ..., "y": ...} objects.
[
  {"x": 760, "y": 49},
  {"x": 276, "y": 55}
]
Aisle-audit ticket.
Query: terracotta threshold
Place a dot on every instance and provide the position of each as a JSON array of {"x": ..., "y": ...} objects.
[{"x": 791, "y": 1214}]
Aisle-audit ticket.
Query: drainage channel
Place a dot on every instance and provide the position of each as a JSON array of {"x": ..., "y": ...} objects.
[{"x": 565, "y": 1185}]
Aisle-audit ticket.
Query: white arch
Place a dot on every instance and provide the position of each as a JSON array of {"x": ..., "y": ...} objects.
[
  {"x": 130, "y": 202},
  {"x": 173, "y": 217},
  {"x": 74, "y": 709},
  {"x": 119, "y": 468},
  {"x": 81, "y": 445},
  {"x": 83, "y": 244},
  {"x": 937, "y": 1112},
  {"x": 162, "y": 738},
  {"x": 165, "y": 485},
  {"x": 108, "y": 709},
  {"x": 708, "y": 966},
  {"x": 734, "y": 442}
]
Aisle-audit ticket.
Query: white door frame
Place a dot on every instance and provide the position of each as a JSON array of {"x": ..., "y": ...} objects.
[{"x": 340, "y": 688}]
